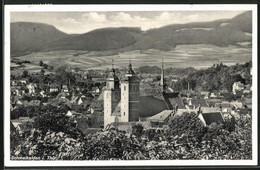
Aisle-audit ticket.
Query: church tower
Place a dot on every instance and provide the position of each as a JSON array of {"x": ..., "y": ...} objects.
[
  {"x": 162, "y": 85},
  {"x": 130, "y": 96},
  {"x": 111, "y": 96}
]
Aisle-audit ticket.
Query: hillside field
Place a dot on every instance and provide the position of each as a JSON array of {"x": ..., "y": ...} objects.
[{"x": 197, "y": 56}]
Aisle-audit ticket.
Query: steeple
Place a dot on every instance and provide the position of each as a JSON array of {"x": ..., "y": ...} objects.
[
  {"x": 162, "y": 78},
  {"x": 129, "y": 72},
  {"x": 112, "y": 79}
]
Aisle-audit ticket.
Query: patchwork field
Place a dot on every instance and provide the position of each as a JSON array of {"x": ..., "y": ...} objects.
[
  {"x": 30, "y": 67},
  {"x": 197, "y": 56}
]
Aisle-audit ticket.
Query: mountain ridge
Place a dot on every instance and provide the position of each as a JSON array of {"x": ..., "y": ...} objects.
[{"x": 34, "y": 37}]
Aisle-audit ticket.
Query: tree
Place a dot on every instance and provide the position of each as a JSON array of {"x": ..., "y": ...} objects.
[
  {"x": 25, "y": 73},
  {"x": 41, "y": 63},
  {"x": 42, "y": 71},
  {"x": 45, "y": 66},
  {"x": 137, "y": 130}
]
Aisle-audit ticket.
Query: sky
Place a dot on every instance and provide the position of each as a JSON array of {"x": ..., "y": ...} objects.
[{"x": 82, "y": 22}]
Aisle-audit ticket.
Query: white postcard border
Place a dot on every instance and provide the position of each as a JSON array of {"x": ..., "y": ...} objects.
[{"x": 76, "y": 8}]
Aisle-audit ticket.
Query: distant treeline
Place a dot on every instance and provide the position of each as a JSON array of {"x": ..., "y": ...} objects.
[
  {"x": 217, "y": 77},
  {"x": 173, "y": 71}
]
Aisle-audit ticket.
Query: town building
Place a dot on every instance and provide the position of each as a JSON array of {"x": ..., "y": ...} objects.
[
  {"x": 237, "y": 86},
  {"x": 209, "y": 115}
]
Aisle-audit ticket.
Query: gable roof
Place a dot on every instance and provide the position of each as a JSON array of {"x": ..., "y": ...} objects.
[
  {"x": 208, "y": 110},
  {"x": 212, "y": 117},
  {"x": 180, "y": 112}
]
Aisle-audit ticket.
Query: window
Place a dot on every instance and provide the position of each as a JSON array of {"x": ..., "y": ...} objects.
[
  {"x": 116, "y": 119},
  {"x": 124, "y": 88},
  {"x": 124, "y": 113}
]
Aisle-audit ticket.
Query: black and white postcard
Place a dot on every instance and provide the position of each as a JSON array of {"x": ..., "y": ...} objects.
[{"x": 114, "y": 85}]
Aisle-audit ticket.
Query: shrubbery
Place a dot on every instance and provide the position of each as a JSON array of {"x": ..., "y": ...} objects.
[{"x": 186, "y": 138}]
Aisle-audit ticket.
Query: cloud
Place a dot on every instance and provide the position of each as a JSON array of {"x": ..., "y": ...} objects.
[
  {"x": 78, "y": 22},
  {"x": 121, "y": 17},
  {"x": 93, "y": 17},
  {"x": 70, "y": 20}
]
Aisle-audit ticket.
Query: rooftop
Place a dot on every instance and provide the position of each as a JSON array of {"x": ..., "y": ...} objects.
[
  {"x": 209, "y": 110},
  {"x": 212, "y": 117},
  {"x": 161, "y": 116}
]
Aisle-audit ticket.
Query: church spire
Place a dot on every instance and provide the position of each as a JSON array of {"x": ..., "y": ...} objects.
[
  {"x": 130, "y": 72},
  {"x": 112, "y": 64},
  {"x": 162, "y": 77}
]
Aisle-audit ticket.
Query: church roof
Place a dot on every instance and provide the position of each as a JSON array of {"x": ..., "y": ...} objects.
[
  {"x": 160, "y": 116},
  {"x": 150, "y": 106}
]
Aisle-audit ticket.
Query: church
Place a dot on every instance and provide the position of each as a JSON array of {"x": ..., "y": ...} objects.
[{"x": 121, "y": 97}]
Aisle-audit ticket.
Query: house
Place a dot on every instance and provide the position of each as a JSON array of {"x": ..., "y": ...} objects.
[
  {"x": 42, "y": 93},
  {"x": 14, "y": 83},
  {"x": 18, "y": 102},
  {"x": 247, "y": 89},
  {"x": 54, "y": 88},
  {"x": 205, "y": 94},
  {"x": 236, "y": 104},
  {"x": 65, "y": 88},
  {"x": 237, "y": 86},
  {"x": 72, "y": 113},
  {"x": 224, "y": 107},
  {"x": 18, "y": 90},
  {"x": 213, "y": 95},
  {"x": 63, "y": 95},
  {"x": 96, "y": 90},
  {"x": 180, "y": 112},
  {"x": 22, "y": 124},
  {"x": 97, "y": 79},
  {"x": 209, "y": 115},
  {"x": 31, "y": 87},
  {"x": 23, "y": 82},
  {"x": 90, "y": 110},
  {"x": 223, "y": 91}
]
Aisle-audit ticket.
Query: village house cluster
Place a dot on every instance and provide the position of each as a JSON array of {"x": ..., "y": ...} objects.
[{"x": 124, "y": 101}]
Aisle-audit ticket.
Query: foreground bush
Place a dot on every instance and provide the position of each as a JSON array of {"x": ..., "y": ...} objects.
[{"x": 185, "y": 139}]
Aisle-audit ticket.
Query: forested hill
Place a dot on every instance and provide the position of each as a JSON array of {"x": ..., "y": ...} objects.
[
  {"x": 27, "y": 37},
  {"x": 217, "y": 77},
  {"x": 35, "y": 37}
]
